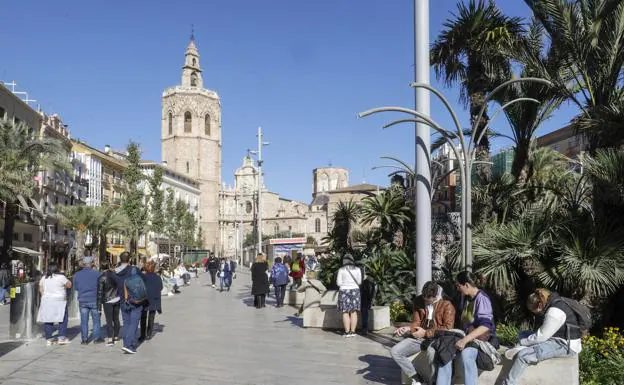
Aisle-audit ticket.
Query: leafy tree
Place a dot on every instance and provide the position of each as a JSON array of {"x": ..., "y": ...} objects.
[
  {"x": 189, "y": 226},
  {"x": 200, "y": 238},
  {"x": 157, "y": 195},
  {"x": 170, "y": 216},
  {"x": 472, "y": 52},
  {"x": 108, "y": 219},
  {"x": 79, "y": 219},
  {"x": 21, "y": 157},
  {"x": 134, "y": 199},
  {"x": 344, "y": 219}
]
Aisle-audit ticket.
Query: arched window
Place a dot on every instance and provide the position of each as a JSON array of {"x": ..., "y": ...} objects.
[
  {"x": 187, "y": 167},
  {"x": 276, "y": 228},
  {"x": 207, "y": 124},
  {"x": 194, "y": 61},
  {"x": 188, "y": 120},
  {"x": 193, "y": 79},
  {"x": 248, "y": 207},
  {"x": 170, "y": 124},
  {"x": 317, "y": 225}
]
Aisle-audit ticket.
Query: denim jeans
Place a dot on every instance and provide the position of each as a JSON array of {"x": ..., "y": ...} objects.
[
  {"x": 48, "y": 327},
  {"x": 85, "y": 310},
  {"x": 409, "y": 346},
  {"x": 111, "y": 313},
  {"x": 532, "y": 355},
  {"x": 468, "y": 359},
  {"x": 280, "y": 293},
  {"x": 131, "y": 320}
]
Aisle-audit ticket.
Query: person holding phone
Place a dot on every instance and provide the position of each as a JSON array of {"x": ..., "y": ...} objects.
[{"x": 431, "y": 313}]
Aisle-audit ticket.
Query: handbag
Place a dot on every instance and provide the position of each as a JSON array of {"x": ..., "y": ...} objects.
[{"x": 352, "y": 276}]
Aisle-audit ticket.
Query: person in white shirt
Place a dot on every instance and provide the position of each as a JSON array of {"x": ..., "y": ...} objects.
[
  {"x": 53, "y": 307},
  {"x": 349, "y": 280},
  {"x": 558, "y": 336}
]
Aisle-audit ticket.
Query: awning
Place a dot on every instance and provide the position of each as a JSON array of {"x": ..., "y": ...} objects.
[{"x": 27, "y": 251}]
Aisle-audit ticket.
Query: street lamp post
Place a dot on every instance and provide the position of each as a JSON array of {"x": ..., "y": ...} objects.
[{"x": 258, "y": 152}]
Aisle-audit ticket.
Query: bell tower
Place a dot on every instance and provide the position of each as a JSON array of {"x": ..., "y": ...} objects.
[{"x": 191, "y": 139}]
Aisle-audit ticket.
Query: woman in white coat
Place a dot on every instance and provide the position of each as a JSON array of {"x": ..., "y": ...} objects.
[{"x": 53, "y": 307}]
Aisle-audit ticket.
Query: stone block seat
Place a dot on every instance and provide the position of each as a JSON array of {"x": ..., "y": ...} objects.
[
  {"x": 320, "y": 309},
  {"x": 556, "y": 371}
]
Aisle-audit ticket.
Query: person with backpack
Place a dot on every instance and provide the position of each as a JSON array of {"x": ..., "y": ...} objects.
[
  {"x": 297, "y": 271},
  {"x": 108, "y": 300},
  {"x": 133, "y": 294},
  {"x": 559, "y": 336},
  {"x": 86, "y": 284},
  {"x": 279, "y": 277},
  {"x": 212, "y": 266}
]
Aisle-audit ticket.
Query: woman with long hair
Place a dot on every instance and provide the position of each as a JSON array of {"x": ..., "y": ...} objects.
[
  {"x": 53, "y": 307},
  {"x": 109, "y": 300},
  {"x": 349, "y": 280},
  {"x": 259, "y": 281},
  {"x": 154, "y": 287}
]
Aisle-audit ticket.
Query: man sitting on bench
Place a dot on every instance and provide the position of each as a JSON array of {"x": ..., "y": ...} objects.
[{"x": 431, "y": 313}]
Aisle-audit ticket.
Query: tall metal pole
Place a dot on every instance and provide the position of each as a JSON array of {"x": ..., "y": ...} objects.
[
  {"x": 422, "y": 202},
  {"x": 236, "y": 223},
  {"x": 259, "y": 189}
]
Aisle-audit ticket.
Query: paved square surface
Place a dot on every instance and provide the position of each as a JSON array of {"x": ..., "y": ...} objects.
[{"x": 208, "y": 337}]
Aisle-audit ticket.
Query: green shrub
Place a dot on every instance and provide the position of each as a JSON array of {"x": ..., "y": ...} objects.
[
  {"x": 398, "y": 312},
  {"x": 507, "y": 334},
  {"x": 602, "y": 359}
]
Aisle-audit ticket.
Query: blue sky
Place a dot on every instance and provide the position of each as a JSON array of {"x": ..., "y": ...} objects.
[{"x": 300, "y": 69}]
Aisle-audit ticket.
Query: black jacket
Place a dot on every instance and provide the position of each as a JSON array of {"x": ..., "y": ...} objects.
[
  {"x": 565, "y": 331},
  {"x": 154, "y": 286},
  {"x": 106, "y": 288},
  {"x": 444, "y": 345},
  {"x": 259, "y": 278},
  {"x": 212, "y": 264},
  {"x": 5, "y": 278}
]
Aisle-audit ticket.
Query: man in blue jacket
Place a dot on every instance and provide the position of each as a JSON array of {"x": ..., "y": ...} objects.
[{"x": 85, "y": 283}]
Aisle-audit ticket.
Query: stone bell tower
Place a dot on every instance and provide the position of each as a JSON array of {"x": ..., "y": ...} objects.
[{"x": 191, "y": 139}]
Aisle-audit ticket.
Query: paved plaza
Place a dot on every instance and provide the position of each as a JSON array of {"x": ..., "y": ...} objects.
[{"x": 207, "y": 337}]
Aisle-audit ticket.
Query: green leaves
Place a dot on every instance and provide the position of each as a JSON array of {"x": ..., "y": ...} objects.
[
  {"x": 134, "y": 200},
  {"x": 157, "y": 216}
]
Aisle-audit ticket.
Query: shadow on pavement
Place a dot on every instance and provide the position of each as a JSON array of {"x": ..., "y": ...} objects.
[
  {"x": 9, "y": 346},
  {"x": 380, "y": 370},
  {"x": 294, "y": 321},
  {"x": 382, "y": 339}
]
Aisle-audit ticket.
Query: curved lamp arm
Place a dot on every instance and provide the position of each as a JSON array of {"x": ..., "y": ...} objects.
[{"x": 404, "y": 164}]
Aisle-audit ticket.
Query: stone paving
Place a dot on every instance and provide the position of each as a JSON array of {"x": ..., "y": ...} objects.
[{"x": 208, "y": 337}]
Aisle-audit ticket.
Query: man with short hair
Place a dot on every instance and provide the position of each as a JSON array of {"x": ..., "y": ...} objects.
[
  {"x": 431, "y": 313},
  {"x": 86, "y": 283}
]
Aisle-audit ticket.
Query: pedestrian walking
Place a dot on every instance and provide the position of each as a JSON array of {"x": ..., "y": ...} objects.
[
  {"x": 297, "y": 271},
  {"x": 349, "y": 280},
  {"x": 53, "y": 306},
  {"x": 86, "y": 284},
  {"x": 5, "y": 283},
  {"x": 259, "y": 281},
  {"x": 133, "y": 294},
  {"x": 154, "y": 286},
  {"x": 279, "y": 277},
  {"x": 213, "y": 267},
  {"x": 109, "y": 301},
  {"x": 226, "y": 272}
]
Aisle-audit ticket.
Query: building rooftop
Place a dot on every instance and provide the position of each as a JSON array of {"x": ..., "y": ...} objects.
[{"x": 362, "y": 187}]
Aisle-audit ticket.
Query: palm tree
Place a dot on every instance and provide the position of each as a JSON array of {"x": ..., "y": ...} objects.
[
  {"x": 590, "y": 34},
  {"x": 80, "y": 219},
  {"x": 107, "y": 219},
  {"x": 389, "y": 211},
  {"x": 471, "y": 51},
  {"x": 21, "y": 156},
  {"x": 344, "y": 219}
]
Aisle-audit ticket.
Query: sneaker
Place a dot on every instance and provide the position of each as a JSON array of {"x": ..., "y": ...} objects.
[
  {"x": 351, "y": 335},
  {"x": 416, "y": 382},
  {"x": 98, "y": 341},
  {"x": 128, "y": 350},
  {"x": 50, "y": 342},
  {"x": 110, "y": 342},
  {"x": 63, "y": 341},
  {"x": 84, "y": 342},
  {"x": 511, "y": 353}
]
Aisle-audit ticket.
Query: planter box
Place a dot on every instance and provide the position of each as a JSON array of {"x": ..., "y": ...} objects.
[
  {"x": 294, "y": 298},
  {"x": 557, "y": 371}
]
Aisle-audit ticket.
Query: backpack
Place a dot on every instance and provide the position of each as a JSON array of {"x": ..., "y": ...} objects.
[
  {"x": 583, "y": 315},
  {"x": 295, "y": 267},
  {"x": 280, "y": 275},
  {"x": 135, "y": 291}
]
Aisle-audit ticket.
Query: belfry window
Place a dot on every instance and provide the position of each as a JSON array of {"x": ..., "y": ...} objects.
[
  {"x": 317, "y": 225},
  {"x": 188, "y": 120},
  {"x": 207, "y": 124},
  {"x": 193, "y": 79},
  {"x": 170, "y": 124},
  {"x": 187, "y": 167}
]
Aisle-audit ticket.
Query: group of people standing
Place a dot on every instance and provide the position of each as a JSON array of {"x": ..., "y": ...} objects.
[
  {"x": 471, "y": 337},
  {"x": 123, "y": 289},
  {"x": 224, "y": 268},
  {"x": 262, "y": 277}
]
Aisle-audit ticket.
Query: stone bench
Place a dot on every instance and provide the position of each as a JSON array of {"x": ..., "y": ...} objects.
[
  {"x": 320, "y": 310},
  {"x": 563, "y": 371}
]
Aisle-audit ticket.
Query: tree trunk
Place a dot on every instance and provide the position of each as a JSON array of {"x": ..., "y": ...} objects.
[
  {"x": 519, "y": 166},
  {"x": 9, "y": 225},
  {"x": 102, "y": 248},
  {"x": 482, "y": 153},
  {"x": 80, "y": 244}
]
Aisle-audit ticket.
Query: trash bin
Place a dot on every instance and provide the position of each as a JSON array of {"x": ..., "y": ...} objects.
[{"x": 23, "y": 312}]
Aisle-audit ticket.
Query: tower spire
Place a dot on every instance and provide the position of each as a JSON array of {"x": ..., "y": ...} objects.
[{"x": 192, "y": 32}]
